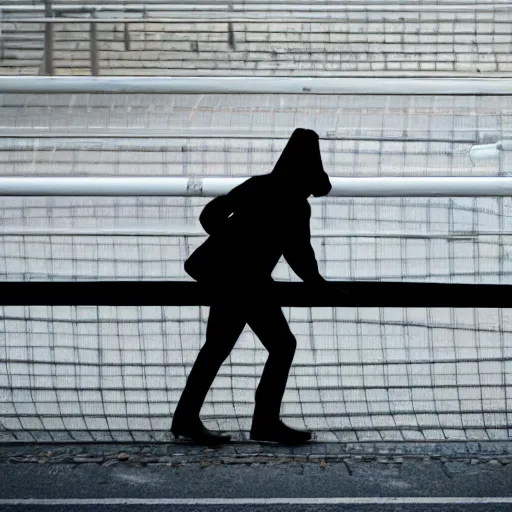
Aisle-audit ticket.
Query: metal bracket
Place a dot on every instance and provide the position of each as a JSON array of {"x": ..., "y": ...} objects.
[{"x": 195, "y": 186}]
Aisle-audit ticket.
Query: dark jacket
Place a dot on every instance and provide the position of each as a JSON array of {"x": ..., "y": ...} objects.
[{"x": 264, "y": 218}]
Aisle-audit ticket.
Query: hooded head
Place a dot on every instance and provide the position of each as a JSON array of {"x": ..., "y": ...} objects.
[{"x": 300, "y": 165}]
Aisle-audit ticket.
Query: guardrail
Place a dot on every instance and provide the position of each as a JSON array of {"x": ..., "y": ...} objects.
[
  {"x": 212, "y": 187},
  {"x": 258, "y": 85}
]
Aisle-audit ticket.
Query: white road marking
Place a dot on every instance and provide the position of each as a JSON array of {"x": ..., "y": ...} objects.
[{"x": 264, "y": 501}]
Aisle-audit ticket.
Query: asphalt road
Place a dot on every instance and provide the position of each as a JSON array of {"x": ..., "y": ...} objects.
[
  {"x": 399, "y": 507},
  {"x": 418, "y": 485}
]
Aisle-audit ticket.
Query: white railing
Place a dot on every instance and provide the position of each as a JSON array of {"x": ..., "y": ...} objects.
[
  {"x": 143, "y": 139},
  {"x": 257, "y": 85},
  {"x": 212, "y": 187},
  {"x": 28, "y": 5},
  {"x": 266, "y": 8},
  {"x": 195, "y": 233}
]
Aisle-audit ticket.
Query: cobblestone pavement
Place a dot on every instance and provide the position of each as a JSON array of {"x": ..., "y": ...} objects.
[{"x": 178, "y": 454}]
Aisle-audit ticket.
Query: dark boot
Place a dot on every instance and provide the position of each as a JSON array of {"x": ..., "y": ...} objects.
[
  {"x": 194, "y": 429},
  {"x": 278, "y": 432},
  {"x": 186, "y": 422},
  {"x": 267, "y": 427}
]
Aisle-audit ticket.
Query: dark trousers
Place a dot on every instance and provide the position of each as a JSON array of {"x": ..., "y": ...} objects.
[{"x": 225, "y": 324}]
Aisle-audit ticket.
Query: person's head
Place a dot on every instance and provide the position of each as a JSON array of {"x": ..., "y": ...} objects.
[{"x": 299, "y": 168}]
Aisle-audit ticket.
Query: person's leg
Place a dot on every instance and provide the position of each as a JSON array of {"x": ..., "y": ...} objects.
[
  {"x": 271, "y": 327},
  {"x": 225, "y": 324},
  {"x": 269, "y": 324}
]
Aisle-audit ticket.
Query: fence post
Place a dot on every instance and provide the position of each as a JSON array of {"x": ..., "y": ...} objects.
[
  {"x": 48, "y": 39},
  {"x": 126, "y": 37},
  {"x": 231, "y": 32},
  {"x": 1, "y": 38},
  {"x": 93, "y": 42}
]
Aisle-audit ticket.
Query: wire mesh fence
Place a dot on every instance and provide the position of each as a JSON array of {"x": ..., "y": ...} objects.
[{"x": 115, "y": 372}]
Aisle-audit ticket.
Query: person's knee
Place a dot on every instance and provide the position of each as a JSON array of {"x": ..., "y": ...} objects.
[
  {"x": 286, "y": 346},
  {"x": 291, "y": 343},
  {"x": 215, "y": 351}
]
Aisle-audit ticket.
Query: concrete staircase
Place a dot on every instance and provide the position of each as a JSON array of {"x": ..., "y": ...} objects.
[{"x": 408, "y": 43}]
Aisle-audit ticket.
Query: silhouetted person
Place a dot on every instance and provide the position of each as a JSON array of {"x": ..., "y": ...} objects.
[{"x": 250, "y": 228}]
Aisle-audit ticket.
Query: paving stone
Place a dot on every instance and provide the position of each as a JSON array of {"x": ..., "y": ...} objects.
[{"x": 88, "y": 459}]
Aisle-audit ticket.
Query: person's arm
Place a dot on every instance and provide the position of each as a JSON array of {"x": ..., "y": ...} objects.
[
  {"x": 299, "y": 253},
  {"x": 216, "y": 213}
]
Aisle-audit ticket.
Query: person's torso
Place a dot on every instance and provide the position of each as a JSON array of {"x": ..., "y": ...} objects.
[{"x": 251, "y": 244}]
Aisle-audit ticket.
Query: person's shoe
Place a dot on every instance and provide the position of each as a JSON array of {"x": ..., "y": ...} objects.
[
  {"x": 278, "y": 432},
  {"x": 195, "y": 430}
]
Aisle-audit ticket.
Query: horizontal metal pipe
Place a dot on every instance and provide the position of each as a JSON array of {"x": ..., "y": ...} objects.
[
  {"x": 459, "y": 413},
  {"x": 212, "y": 187},
  {"x": 295, "y": 294},
  {"x": 55, "y": 385},
  {"x": 158, "y": 140},
  {"x": 191, "y": 232},
  {"x": 258, "y": 85},
  {"x": 252, "y": 17},
  {"x": 406, "y": 17},
  {"x": 303, "y": 366},
  {"x": 157, "y": 4},
  {"x": 279, "y": 7}
]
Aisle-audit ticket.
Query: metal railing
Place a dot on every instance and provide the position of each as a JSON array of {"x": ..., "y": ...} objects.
[
  {"x": 258, "y": 85},
  {"x": 212, "y": 187},
  {"x": 259, "y": 6}
]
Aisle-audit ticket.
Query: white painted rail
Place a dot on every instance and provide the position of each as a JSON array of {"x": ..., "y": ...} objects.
[
  {"x": 212, "y": 187},
  {"x": 258, "y": 85},
  {"x": 190, "y": 232}
]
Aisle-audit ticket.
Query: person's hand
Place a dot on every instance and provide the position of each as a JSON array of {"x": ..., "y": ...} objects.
[
  {"x": 338, "y": 288},
  {"x": 330, "y": 285}
]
